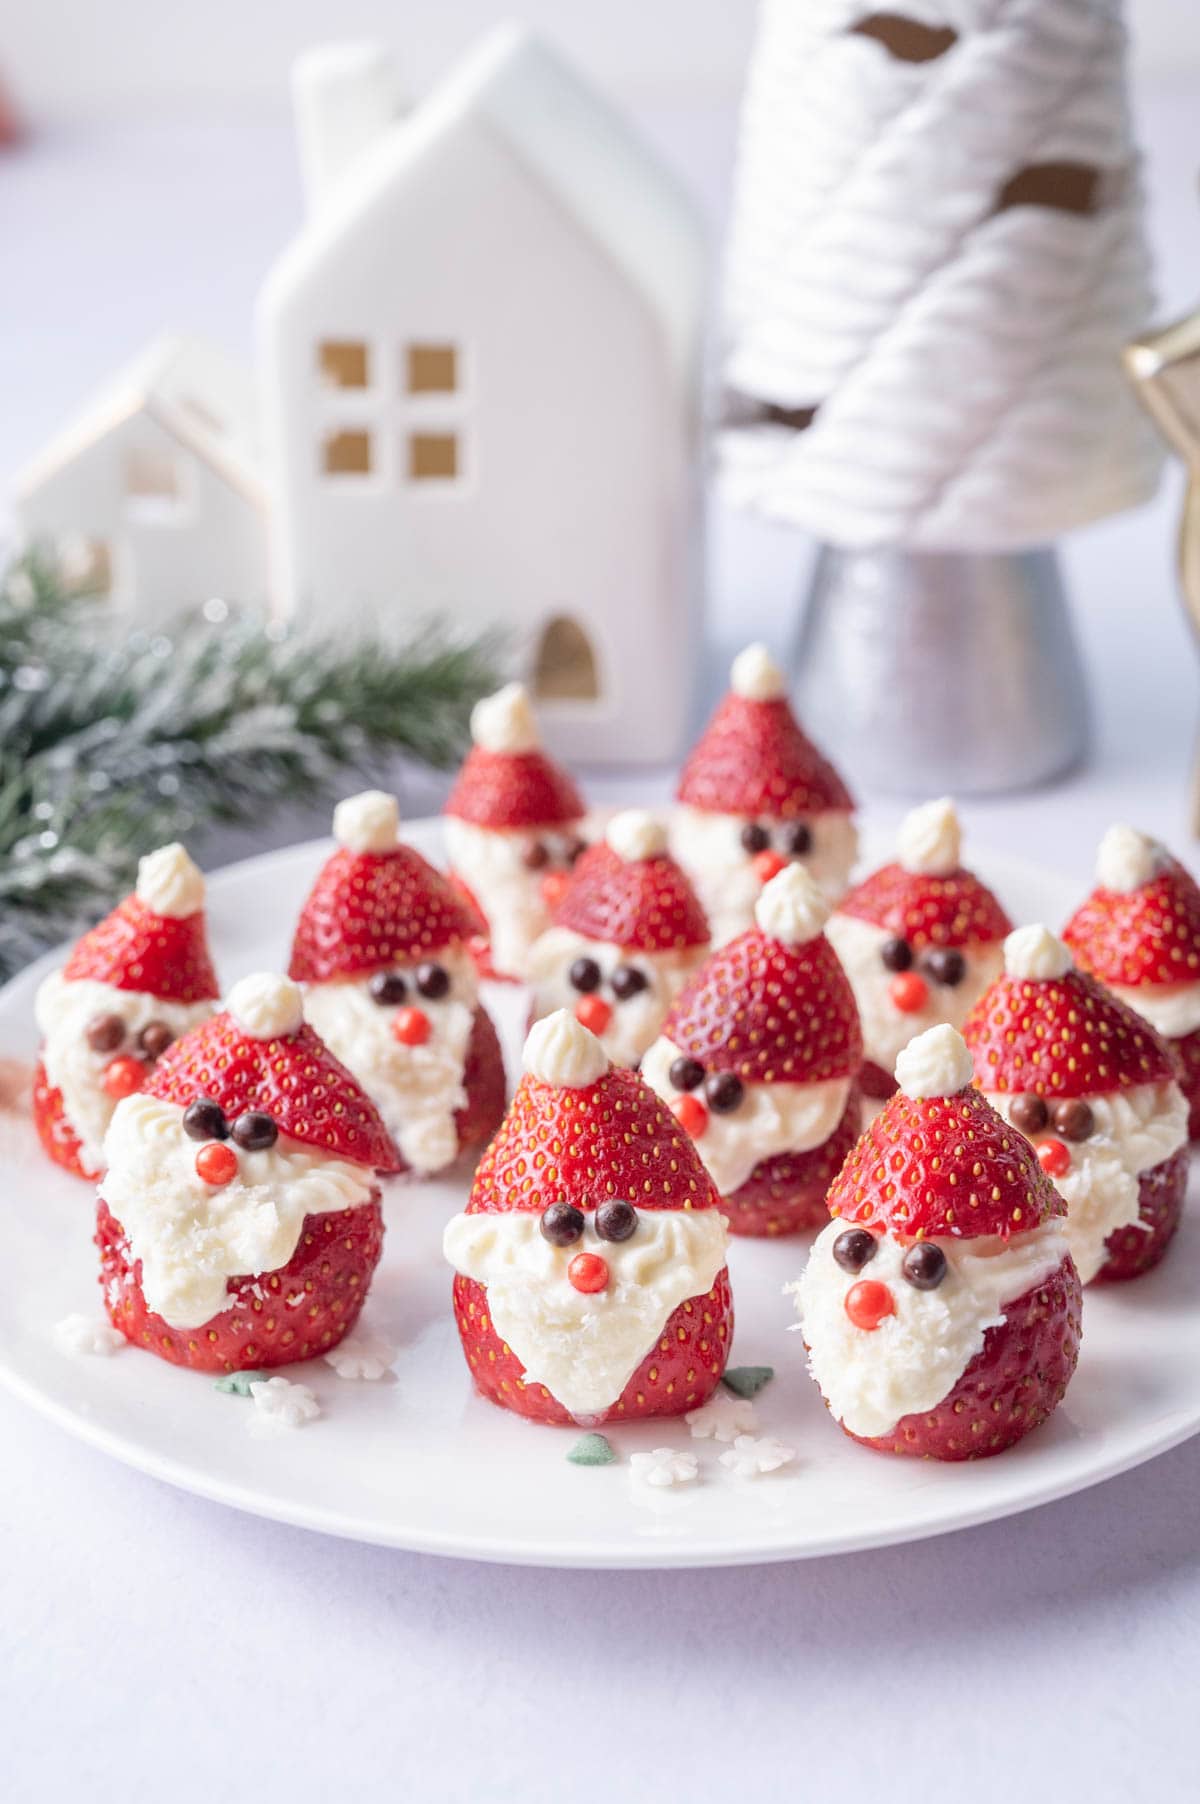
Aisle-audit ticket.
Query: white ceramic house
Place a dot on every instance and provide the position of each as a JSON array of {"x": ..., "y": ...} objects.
[
  {"x": 154, "y": 495},
  {"x": 481, "y": 383}
]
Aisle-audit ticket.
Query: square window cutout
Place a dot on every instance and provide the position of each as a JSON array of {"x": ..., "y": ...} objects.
[
  {"x": 431, "y": 369},
  {"x": 343, "y": 362},
  {"x": 432, "y": 456},
  {"x": 347, "y": 453},
  {"x": 151, "y": 476}
]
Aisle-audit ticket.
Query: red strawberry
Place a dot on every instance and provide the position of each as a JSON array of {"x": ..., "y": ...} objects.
[
  {"x": 1187, "y": 1058},
  {"x": 1015, "y": 1381},
  {"x": 514, "y": 789},
  {"x": 645, "y": 903},
  {"x": 483, "y": 1081},
  {"x": 136, "y": 949},
  {"x": 295, "y": 1079},
  {"x": 1150, "y": 934},
  {"x": 55, "y": 1132},
  {"x": 875, "y": 1082},
  {"x": 1061, "y": 1036},
  {"x": 786, "y": 1194},
  {"x": 771, "y": 1012},
  {"x": 943, "y": 1165},
  {"x": 1133, "y": 1250},
  {"x": 370, "y": 909},
  {"x": 754, "y": 759},
  {"x": 273, "y": 1318},
  {"x": 927, "y": 909}
]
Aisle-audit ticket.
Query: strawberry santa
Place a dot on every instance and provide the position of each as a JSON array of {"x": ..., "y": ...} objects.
[
  {"x": 1139, "y": 933},
  {"x": 627, "y": 935},
  {"x": 590, "y": 1260},
  {"x": 941, "y": 1306},
  {"x": 513, "y": 830},
  {"x": 381, "y": 947},
  {"x": 1093, "y": 1087},
  {"x": 920, "y": 940},
  {"x": 758, "y": 1061},
  {"x": 756, "y": 794},
  {"x": 132, "y": 985},
  {"x": 239, "y": 1219}
]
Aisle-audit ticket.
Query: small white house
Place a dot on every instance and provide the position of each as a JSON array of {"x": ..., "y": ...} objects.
[
  {"x": 481, "y": 383},
  {"x": 154, "y": 495}
]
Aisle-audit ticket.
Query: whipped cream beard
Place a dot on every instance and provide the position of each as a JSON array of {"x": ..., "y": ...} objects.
[
  {"x": 636, "y": 1017},
  {"x": 1132, "y": 1131},
  {"x": 1172, "y": 1009},
  {"x": 191, "y": 1237},
  {"x": 887, "y": 1030},
  {"x": 503, "y": 868},
  {"x": 872, "y": 1378},
  {"x": 769, "y": 1119},
  {"x": 65, "y": 1011},
  {"x": 711, "y": 849},
  {"x": 417, "y": 1089},
  {"x": 585, "y": 1348}
]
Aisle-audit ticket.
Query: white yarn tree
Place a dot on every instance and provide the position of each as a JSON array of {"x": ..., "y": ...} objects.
[{"x": 937, "y": 256}]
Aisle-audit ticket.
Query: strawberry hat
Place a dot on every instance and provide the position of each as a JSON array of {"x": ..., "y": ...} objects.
[
  {"x": 938, "y": 1159},
  {"x": 154, "y": 941},
  {"x": 628, "y": 891},
  {"x": 1141, "y": 924},
  {"x": 1046, "y": 1028},
  {"x": 260, "y": 1054},
  {"x": 926, "y": 897},
  {"x": 753, "y": 757},
  {"x": 773, "y": 1005},
  {"x": 507, "y": 780},
  {"x": 375, "y": 902},
  {"x": 583, "y": 1132}
]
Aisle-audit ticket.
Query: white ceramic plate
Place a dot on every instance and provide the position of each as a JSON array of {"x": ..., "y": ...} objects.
[{"x": 417, "y": 1461}]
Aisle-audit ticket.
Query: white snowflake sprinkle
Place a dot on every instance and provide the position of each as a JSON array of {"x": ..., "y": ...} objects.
[
  {"x": 284, "y": 1404},
  {"x": 82, "y": 1334},
  {"x": 664, "y": 1466},
  {"x": 750, "y": 1457},
  {"x": 723, "y": 1419},
  {"x": 361, "y": 1356}
]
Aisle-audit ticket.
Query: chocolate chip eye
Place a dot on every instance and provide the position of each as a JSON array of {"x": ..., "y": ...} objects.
[
  {"x": 897, "y": 955},
  {"x": 615, "y": 1220},
  {"x": 585, "y": 975},
  {"x": 562, "y": 1224},
  {"x": 104, "y": 1033},
  {"x": 754, "y": 838},
  {"x": 204, "y": 1119},
  {"x": 724, "y": 1091},
  {"x": 924, "y": 1265},
  {"x": 254, "y": 1131},
  {"x": 628, "y": 981},
  {"x": 536, "y": 855},
  {"x": 1029, "y": 1113},
  {"x": 388, "y": 988},
  {"x": 945, "y": 966},
  {"x": 854, "y": 1249},
  {"x": 1074, "y": 1119},
  {"x": 686, "y": 1074},
  {"x": 575, "y": 850},
  {"x": 433, "y": 981},
  {"x": 154, "y": 1039},
  {"x": 797, "y": 841}
]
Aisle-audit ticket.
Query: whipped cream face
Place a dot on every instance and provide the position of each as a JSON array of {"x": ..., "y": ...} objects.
[
  {"x": 635, "y": 1019},
  {"x": 586, "y": 1348},
  {"x": 417, "y": 1089},
  {"x": 1172, "y": 1009},
  {"x": 1134, "y": 1130},
  {"x": 191, "y": 1236},
  {"x": 710, "y": 849},
  {"x": 887, "y": 1029},
  {"x": 494, "y": 863},
  {"x": 63, "y": 1012},
  {"x": 872, "y": 1378},
  {"x": 770, "y": 1119}
]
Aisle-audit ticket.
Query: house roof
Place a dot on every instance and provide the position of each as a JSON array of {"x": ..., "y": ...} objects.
[
  {"x": 197, "y": 393},
  {"x": 570, "y": 141}
]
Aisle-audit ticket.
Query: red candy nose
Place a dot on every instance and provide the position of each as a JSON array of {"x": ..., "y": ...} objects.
[
  {"x": 767, "y": 865},
  {"x": 123, "y": 1076},
  {"x": 868, "y": 1303},
  {"x": 691, "y": 1115},
  {"x": 909, "y": 992},
  {"x": 593, "y": 1013},
  {"x": 588, "y": 1273},
  {"x": 411, "y": 1026},
  {"x": 1054, "y": 1158},
  {"x": 554, "y": 885}
]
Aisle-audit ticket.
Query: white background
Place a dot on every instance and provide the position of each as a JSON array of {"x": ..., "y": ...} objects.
[{"x": 151, "y": 1641}]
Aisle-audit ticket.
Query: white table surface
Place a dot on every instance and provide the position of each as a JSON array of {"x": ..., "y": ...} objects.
[{"x": 146, "y": 1637}]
